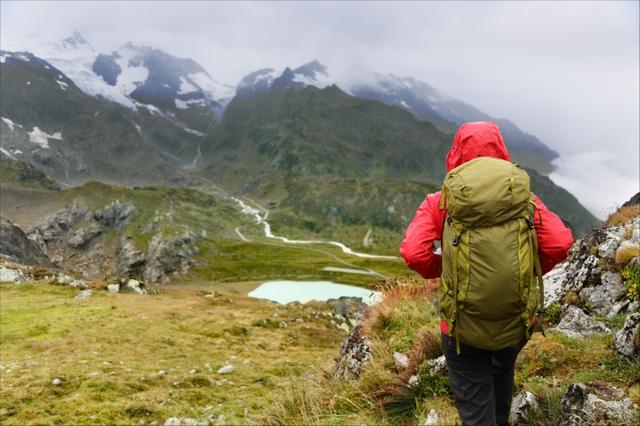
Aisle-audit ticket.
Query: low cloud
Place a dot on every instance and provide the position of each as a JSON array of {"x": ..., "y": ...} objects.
[{"x": 595, "y": 179}]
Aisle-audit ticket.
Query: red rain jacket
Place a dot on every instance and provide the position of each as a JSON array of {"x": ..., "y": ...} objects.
[{"x": 477, "y": 139}]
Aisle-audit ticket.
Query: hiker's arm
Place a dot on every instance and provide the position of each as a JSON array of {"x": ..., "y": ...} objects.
[
  {"x": 554, "y": 239},
  {"x": 424, "y": 229}
]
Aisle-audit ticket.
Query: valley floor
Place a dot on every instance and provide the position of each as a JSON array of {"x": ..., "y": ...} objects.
[{"x": 136, "y": 359}]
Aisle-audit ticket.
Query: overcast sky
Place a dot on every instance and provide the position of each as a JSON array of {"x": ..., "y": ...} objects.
[{"x": 565, "y": 72}]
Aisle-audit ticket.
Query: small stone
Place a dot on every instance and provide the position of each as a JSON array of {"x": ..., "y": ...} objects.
[
  {"x": 56, "y": 382},
  {"x": 432, "y": 419},
  {"x": 343, "y": 326},
  {"x": 227, "y": 369},
  {"x": 437, "y": 366},
  {"x": 172, "y": 421},
  {"x": 162, "y": 373},
  {"x": 413, "y": 381},
  {"x": 282, "y": 324},
  {"x": 84, "y": 294},
  {"x": 401, "y": 360},
  {"x": 113, "y": 288}
]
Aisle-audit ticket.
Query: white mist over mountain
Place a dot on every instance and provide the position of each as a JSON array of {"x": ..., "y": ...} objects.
[{"x": 564, "y": 72}]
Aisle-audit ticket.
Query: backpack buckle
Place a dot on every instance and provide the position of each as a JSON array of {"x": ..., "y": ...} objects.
[{"x": 456, "y": 240}]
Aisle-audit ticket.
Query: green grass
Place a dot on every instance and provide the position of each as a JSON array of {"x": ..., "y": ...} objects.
[{"x": 108, "y": 350}]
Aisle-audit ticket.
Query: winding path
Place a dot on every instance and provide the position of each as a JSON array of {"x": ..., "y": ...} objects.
[{"x": 260, "y": 214}]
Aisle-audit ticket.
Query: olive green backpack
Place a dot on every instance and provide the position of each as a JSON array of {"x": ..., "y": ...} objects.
[{"x": 488, "y": 294}]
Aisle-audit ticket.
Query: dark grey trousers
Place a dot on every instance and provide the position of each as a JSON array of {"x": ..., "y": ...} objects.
[{"x": 481, "y": 381}]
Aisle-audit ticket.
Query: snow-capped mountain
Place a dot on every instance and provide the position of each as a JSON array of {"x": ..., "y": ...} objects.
[
  {"x": 417, "y": 97},
  {"x": 311, "y": 74},
  {"x": 131, "y": 75}
]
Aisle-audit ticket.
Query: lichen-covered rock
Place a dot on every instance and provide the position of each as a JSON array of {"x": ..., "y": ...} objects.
[
  {"x": 627, "y": 339},
  {"x": 134, "y": 286},
  {"x": 113, "y": 288},
  {"x": 352, "y": 308},
  {"x": 437, "y": 366},
  {"x": 574, "y": 322},
  {"x": 400, "y": 360},
  {"x": 523, "y": 405},
  {"x": 580, "y": 407},
  {"x": 603, "y": 296},
  {"x": 355, "y": 352},
  {"x": 115, "y": 213}
]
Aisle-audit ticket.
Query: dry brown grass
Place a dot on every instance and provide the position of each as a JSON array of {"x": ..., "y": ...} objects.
[
  {"x": 624, "y": 255},
  {"x": 623, "y": 215}
]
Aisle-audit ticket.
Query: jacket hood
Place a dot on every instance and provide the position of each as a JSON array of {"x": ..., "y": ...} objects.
[{"x": 476, "y": 139}]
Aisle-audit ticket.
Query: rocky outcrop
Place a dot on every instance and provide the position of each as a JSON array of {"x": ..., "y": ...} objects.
[
  {"x": 591, "y": 282},
  {"x": 627, "y": 339},
  {"x": 355, "y": 352},
  {"x": 130, "y": 260},
  {"x": 114, "y": 214},
  {"x": 581, "y": 407},
  {"x": 83, "y": 236},
  {"x": 15, "y": 245},
  {"x": 169, "y": 255},
  {"x": 55, "y": 227}
]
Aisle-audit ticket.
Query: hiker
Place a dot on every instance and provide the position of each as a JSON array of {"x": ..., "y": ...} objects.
[{"x": 497, "y": 239}]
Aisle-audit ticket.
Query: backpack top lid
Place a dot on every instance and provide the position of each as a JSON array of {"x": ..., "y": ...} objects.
[{"x": 486, "y": 191}]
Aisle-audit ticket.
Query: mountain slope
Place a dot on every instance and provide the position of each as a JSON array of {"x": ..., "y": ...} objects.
[
  {"x": 284, "y": 145},
  {"x": 421, "y": 99},
  {"x": 131, "y": 75},
  {"x": 74, "y": 137}
]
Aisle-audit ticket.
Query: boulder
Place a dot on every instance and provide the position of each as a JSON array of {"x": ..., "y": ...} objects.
[
  {"x": 113, "y": 288},
  {"x": 114, "y": 214},
  {"x": 11, "y": 275},
  {"x": 627, "y": 339},
  {"x": 17, "y": 247},
  {"x": 574, "y": 322},
  {"x": 523, "y": 405},
  {"x": 134, "y": 286},
  {"x": 352, "y": 308},
  {"x": 64, "y": 279},
  {"x": 355, "y": 352},
  {"x": 580, "y": 407}
]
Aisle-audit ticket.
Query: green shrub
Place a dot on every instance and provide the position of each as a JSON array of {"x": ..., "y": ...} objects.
[{"x": 631, "y": 275}]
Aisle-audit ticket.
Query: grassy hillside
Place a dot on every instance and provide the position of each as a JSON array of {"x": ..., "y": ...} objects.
[
  {"x": 405, "y": 321},
  {"x": 222, "y": 257}
]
